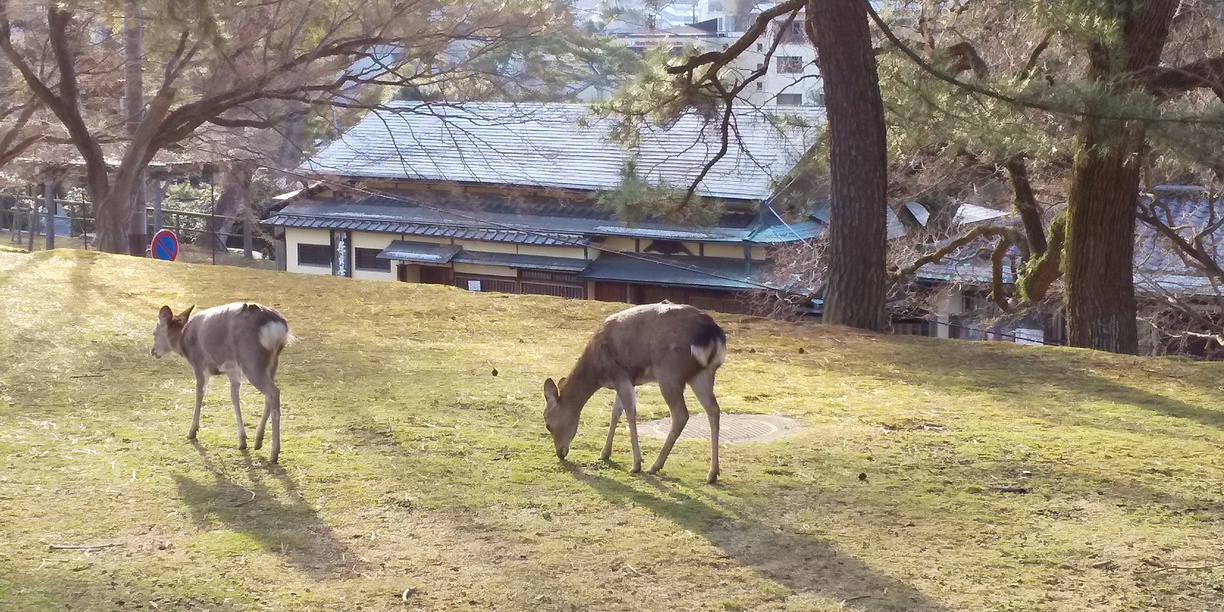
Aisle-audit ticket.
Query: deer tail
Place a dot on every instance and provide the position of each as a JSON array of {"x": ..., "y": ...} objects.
[
  {"x": 274, "y": 335},
  {"x": 710, "y": 349}
]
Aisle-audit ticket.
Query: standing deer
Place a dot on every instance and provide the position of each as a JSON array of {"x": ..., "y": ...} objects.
[
  {"x": 671, "y": 344},
  {"x": 239, "y": 339}
]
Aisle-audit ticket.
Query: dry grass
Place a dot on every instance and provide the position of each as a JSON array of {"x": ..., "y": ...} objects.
[{"x": 407, "y": 464}]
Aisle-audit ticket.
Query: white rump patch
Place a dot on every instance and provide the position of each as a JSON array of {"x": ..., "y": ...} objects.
[
  {"x": 711, "y": 355},
  {"x": 273, "y": 335}
]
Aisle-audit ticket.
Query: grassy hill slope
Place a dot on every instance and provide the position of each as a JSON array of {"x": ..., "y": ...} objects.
[{"x": 407, "y": 463}]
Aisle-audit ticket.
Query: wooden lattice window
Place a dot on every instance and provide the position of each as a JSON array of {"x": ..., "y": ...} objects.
[{"x": 367, "y": 259}]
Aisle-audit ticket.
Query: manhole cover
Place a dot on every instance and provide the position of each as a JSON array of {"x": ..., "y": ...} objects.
[{"x": 731, "y": 428}]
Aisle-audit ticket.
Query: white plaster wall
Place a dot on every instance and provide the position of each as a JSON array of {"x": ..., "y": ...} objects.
[
  {"x": 548, "y": 251},
  {"x": 483, "y": 270},
  {"x": 951, "y": 302},
  {"x": 488, "y": 247},
  {"x": 619, "y": 244}
]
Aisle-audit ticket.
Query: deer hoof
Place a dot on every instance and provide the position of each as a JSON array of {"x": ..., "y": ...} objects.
[
  {"x": 242, "y": 445},
  {"x": 637, "y": 469},
  {"x": 712, "y": 478}
]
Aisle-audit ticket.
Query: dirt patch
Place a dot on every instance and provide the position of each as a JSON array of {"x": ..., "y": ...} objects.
[{"x": 732, "y": 428}]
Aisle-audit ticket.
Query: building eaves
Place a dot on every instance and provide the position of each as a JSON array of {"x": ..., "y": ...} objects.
[
  {"x": 423, "y": 229},
  {"x": 711, "y": 273},
  {"x": 420, "y": 252},
  {"x": 544, "y": 229}
]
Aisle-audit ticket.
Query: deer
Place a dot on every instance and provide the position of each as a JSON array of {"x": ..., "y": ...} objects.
[
  {"x": 671, "y": 344},
  {"x": 238, "y": 339}
]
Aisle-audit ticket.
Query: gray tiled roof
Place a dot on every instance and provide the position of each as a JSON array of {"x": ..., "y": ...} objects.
[
  {"x": 561, "y": 146},
  {"x": 524, "y": 262},
  {"x": 420, "y": 252},
  {"x": 301, "y": 215},
  {"x": 708, "y": 272},
  {"x": 558, "y": 226}
]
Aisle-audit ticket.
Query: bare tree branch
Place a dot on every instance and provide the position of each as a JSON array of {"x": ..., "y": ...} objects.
[
  {"x": 1165, "y": 82},
  {"x": 718, "y": 59},
  {"x": 946, "y": 249}
]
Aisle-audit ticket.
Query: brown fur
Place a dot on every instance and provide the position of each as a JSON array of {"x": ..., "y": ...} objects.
[
  {"x": 239, "y": 339},
  {"x": 674, "y": 345}
]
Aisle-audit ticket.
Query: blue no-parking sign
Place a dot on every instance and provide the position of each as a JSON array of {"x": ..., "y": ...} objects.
[{"x": 164, "y": 246}]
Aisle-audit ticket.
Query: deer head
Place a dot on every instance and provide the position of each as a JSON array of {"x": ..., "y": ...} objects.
[
  {"x": 561, "y": 420},
  {"x": 169, "y": 330}
]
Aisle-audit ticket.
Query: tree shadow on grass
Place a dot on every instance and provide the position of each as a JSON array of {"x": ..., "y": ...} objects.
[
  {"x": 804, "y": 564},
  {"x": 1038, "y": 375},
  {"x": 283, "y": 523}
]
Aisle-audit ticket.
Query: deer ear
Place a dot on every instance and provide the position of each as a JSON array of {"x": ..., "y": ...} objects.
[
  {"x": 561, "y": 385},
  {"x": 164, "y": 315},
  {"x": 551, "y": 393},
  {"x": 186, "y": 313}
]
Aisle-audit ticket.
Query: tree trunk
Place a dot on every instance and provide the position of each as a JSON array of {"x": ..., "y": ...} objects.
[
  {"x": 1101, "y": 308},
  {"x": 110, "y": 217},
  {"x": 133, "y": 110},
  {"x": 854, "y": 295},
  {"x": 1100, "y": 247},
  {"x": 234, "y": 200},
  {"x": 290, "y": 153}
]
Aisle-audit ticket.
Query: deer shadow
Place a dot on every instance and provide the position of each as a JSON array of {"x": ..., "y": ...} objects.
[
  {"x": 283, "y": 523},
  {"x": 804, "y": 564}
]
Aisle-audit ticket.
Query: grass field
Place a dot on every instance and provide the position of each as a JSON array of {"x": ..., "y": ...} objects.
[{"x": 407, "y": 464}]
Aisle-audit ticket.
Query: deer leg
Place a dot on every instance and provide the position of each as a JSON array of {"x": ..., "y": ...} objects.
[
  {"x": 616, "y": 412},
  {"x": 626, "y": 395},
  {"x": 235, "y": 383},
  {"x": 674, "y": 395},
  {"x": 272, "y": 405},
  {"x": 262, "y": 380},
  {"x": 263, "y": 420},
  {"x": 703, "y": 388},
  {"x": 201, "y": 389}
]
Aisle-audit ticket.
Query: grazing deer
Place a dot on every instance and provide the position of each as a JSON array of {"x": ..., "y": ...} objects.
[
  {"x": 671, "y": 344},
  {"x": 239, "y": 339}
]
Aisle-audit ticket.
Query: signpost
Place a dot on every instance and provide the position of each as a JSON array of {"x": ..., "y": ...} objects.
[{"x": 165, "y": 245}]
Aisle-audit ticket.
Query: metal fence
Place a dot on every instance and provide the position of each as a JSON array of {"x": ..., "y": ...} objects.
[{"x": 25, "y": 218}]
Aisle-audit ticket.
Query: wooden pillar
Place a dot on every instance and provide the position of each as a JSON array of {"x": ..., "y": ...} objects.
[
  {"x": 248, "y": 236},
  {"x": 159, "y": 193},
  {"x": 33, "y": 221},
  {"x": 49, "y": 203}
]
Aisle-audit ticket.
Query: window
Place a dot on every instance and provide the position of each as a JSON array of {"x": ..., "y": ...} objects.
[
  {"x": 790, "y": 99},
  {"x": 760, "y": 86},
  {"x": 367, "y": 259},
  {"x": 760, "y": 47},
  {"x": 560, "y": 284},
  {"x": 792, "y": 34},
  {"x": 315, "y": 255},
  {"x": 790, "y": 64}
]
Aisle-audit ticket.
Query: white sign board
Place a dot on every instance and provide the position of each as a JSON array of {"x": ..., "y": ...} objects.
[{"x": 1029, "y": 336}]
